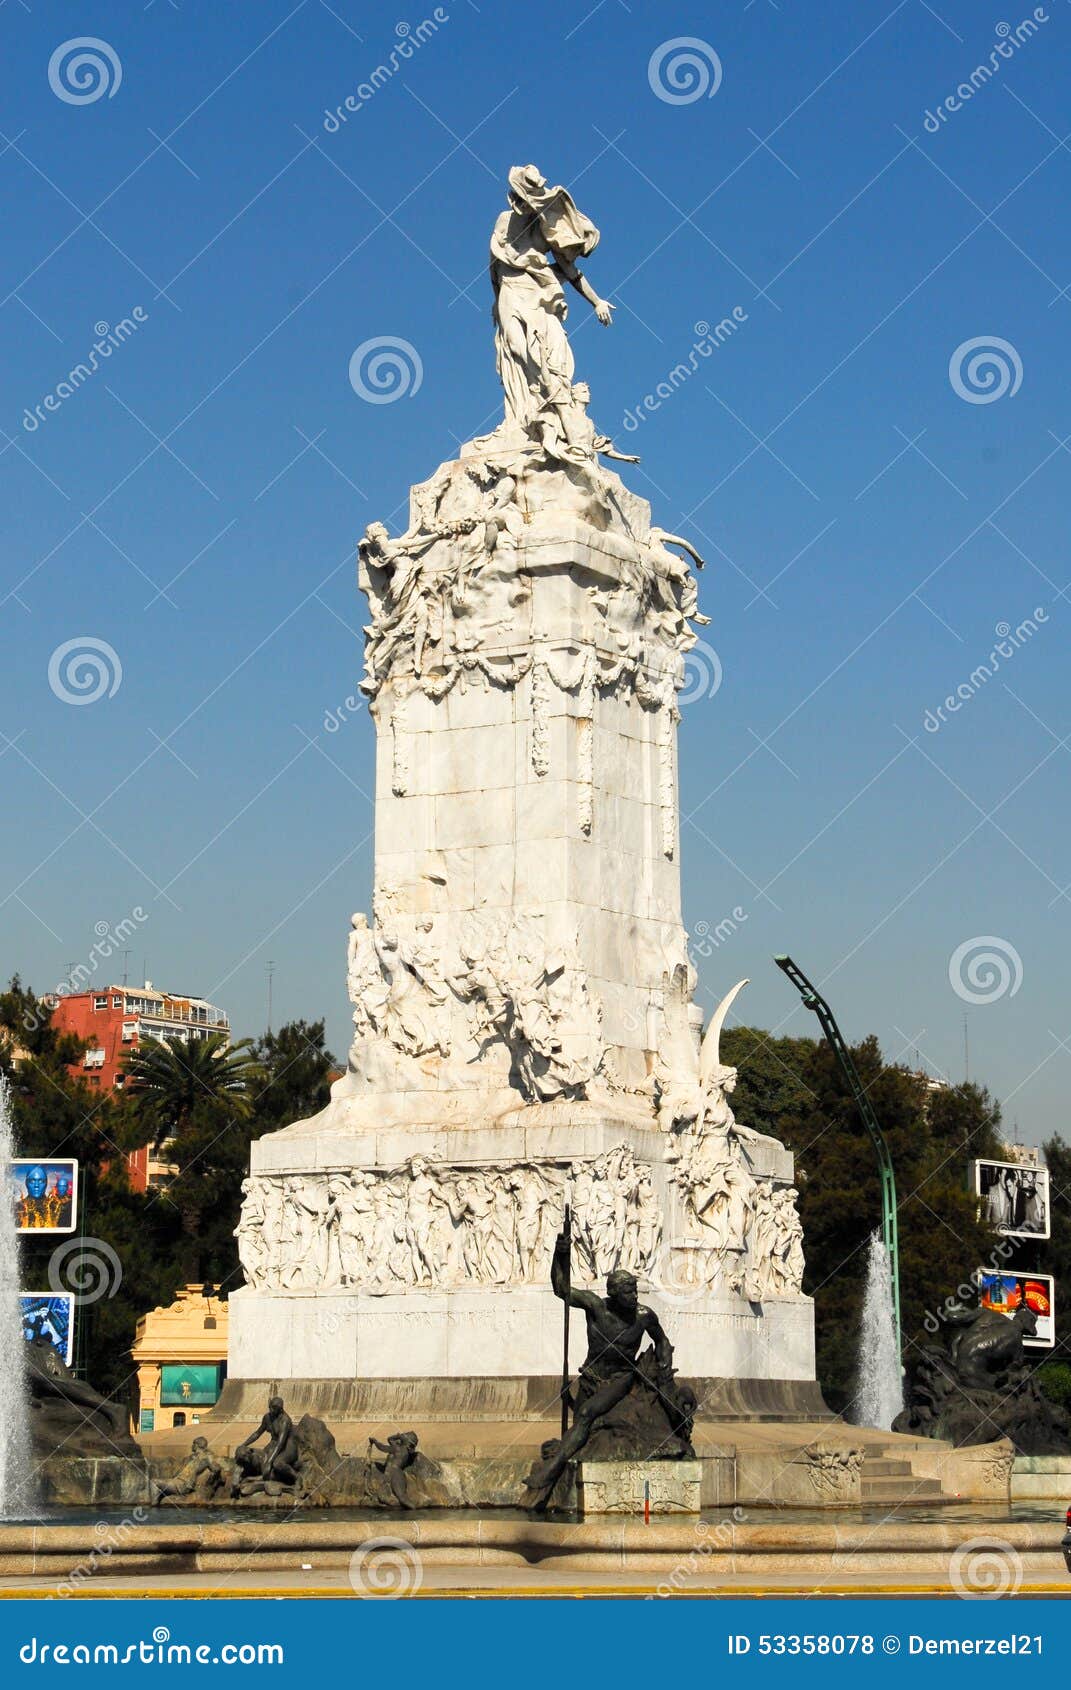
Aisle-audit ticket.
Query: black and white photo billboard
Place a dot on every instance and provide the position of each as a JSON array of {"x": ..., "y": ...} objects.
[{"x": 1014, "y": 1198}]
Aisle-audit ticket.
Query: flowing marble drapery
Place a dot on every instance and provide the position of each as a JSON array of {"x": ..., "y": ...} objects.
[{"x": 535, "y": 244}]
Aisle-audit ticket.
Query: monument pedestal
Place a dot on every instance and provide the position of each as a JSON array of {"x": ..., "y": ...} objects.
[
  {"x": 306, "y": 1325},
  {"x": 513, "y": 1334}
]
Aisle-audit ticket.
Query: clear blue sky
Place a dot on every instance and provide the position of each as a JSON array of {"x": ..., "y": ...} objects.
[{"x": 195, "y": 504}]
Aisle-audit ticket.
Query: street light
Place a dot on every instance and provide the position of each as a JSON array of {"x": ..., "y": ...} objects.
[{"x": 813, "y": 999}]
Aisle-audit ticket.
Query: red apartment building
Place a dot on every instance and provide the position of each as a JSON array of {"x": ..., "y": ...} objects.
[{"x": 117, "y": 1019}]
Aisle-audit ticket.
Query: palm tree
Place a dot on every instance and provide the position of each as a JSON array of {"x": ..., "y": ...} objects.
[{"x": 169, "y": 1078}]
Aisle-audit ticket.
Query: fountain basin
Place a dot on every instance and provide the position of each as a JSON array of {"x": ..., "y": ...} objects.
[{"x": 797, "y": 1552}]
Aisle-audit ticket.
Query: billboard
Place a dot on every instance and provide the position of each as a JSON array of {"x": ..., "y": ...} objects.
[
  {"x": 1005, "y": 1291},
  {"x": 196, "y": 1383},
  {"x": 50, "y": 1312},
  {"x": 44, "y": 1193},
  {"x": 1014, "y": 1199}
]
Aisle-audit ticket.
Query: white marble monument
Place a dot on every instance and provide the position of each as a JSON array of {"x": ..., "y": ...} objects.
[{"x": 524, "y": 1032}]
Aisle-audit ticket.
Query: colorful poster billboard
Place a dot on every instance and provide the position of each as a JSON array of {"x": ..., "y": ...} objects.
[
  {"x": 44, "y": 1192},
  {"x": 50, "y": 1312},
  {"x": 1014, "y": 1198},
  {"x": 1006, "y": 1290}
]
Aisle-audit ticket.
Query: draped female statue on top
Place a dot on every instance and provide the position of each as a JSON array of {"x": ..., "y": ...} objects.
[{"x": 534, "y": 248}]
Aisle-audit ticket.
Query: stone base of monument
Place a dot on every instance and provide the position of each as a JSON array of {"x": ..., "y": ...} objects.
[
  {"x": 639, "y": 1487},
  {"x": 471, "y": 1402},
  {"x": 310, "y": 1326},
  {"x": 1041, "y": 1478}
]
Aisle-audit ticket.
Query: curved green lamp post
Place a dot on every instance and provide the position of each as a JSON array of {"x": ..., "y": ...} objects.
[{"x": 813, "y": 999}]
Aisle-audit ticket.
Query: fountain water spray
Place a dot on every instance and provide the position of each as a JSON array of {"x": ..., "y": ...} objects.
[
  {"x": 880, "y": 1393},
  {"x": 14, "y": 1402}
]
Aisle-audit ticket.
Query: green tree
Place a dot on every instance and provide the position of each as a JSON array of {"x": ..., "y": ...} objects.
[
  {"x": 192, "y": 1101},
  {"x": 794, "y": 1089},
  {"x": 296, "y": 1066},
  {"x": 202, "y": 1105},
  {"x": 55, "y": 1114},
  {"x": 170, "y": 1080}
]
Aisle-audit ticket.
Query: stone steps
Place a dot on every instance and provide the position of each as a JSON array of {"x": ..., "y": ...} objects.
[
  {"x": 892, "y": 1479},
  {"x": 907, "y": 1489}
]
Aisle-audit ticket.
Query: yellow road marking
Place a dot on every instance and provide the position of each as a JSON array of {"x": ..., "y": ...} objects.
[{"x": 725, "y": 1592}]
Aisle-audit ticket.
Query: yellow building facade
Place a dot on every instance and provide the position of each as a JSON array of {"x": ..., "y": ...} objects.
[{"x": 180, "y": 1353}]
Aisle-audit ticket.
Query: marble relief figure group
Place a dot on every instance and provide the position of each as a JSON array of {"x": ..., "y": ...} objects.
[
  {"x": 433, "y": 1226},
  {"x": 426, "y": 1225},
  {"x": 516, "y": 991}
]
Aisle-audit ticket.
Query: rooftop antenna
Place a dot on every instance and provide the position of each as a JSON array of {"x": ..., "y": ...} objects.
[
  {"x": 966, "y": 1053},
  {"x": 271, "y": 976},
  {"x": 126, "y": 965}
]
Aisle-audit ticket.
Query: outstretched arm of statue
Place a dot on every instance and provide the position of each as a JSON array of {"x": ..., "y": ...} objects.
[
  {"x": 253, "y": 1436},
  {"x": 685, "y": 545},
  {"x": 605, "y": 447},
  {"x": 604, "y": 311},
  {"x": 586, "y": 1300},
  {"x": 746, "y": 1135}
]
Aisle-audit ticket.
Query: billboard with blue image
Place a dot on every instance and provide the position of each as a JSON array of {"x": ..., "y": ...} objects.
[
  {"x": 44, "y": 1193},
  {"x": 51, "y": 1314}
]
